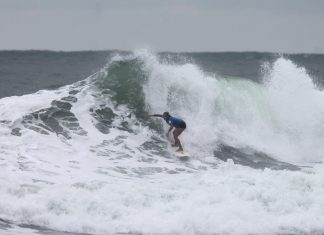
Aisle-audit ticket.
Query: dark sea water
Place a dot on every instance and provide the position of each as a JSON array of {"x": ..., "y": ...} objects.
[
  {"x": 23, "y": 72},
  {"x": 79, "y": 153}
]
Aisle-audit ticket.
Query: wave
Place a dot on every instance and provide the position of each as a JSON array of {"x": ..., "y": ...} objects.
[
  {"x": 88, "y": 158},
  {"x": 280, "y": 117}
]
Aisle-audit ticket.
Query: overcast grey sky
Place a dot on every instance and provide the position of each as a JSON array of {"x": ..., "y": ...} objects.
[{"x": 165, "y": 25}]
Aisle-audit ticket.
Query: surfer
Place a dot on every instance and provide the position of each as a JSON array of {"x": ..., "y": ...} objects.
[{"x": 177, "y": 123}]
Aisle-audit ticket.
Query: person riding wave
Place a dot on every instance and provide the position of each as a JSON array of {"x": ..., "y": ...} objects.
[{"x": 176, "y": 123}]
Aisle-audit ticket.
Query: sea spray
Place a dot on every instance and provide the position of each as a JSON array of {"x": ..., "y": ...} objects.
[{"x": 271, "y": 117}]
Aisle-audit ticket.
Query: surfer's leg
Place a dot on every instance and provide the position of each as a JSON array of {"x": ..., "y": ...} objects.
[{"x": 176, "y": 133}]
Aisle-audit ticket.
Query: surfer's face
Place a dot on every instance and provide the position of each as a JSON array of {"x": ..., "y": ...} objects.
[{"x": 165, "y": 115}]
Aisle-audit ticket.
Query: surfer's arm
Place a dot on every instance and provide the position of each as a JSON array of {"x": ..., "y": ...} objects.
[
  {"x": 156, "y": 115},
  {"x": 170, "y": 129}
]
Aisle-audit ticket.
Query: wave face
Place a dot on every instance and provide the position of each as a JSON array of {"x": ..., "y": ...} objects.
[{"x": 87, "y": 158}]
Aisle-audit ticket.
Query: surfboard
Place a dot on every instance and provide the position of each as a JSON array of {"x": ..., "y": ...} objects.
[{"x": 182, "y": 154}]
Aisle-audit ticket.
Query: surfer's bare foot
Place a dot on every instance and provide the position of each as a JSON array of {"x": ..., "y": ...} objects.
[{"x": 180, "y": 150}]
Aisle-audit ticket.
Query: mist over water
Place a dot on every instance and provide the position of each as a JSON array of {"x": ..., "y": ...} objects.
[{"x": 87, "y": 158}]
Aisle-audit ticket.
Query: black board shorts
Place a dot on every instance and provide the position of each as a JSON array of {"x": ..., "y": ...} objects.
[{"x": 182, "y": 125}]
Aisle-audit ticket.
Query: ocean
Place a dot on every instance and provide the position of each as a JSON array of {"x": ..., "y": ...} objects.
[{"x": 79, "y": 153}]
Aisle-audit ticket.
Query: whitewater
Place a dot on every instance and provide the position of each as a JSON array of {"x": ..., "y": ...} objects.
[{"x": 87, "y": 158}]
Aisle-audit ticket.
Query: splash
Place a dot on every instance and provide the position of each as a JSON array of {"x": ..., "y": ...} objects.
[{"x": 281, "y": 117}]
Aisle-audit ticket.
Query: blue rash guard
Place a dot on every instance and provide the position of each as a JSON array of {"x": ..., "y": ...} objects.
[{"x": 176, "y": 122}]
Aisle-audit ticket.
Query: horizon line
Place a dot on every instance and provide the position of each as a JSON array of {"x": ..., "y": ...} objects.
[{"x": 162, "y": 51}]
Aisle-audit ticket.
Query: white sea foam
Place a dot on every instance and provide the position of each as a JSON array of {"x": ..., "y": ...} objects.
[
  {"x": 283, "y": 117},
  {"x": 229, "y": 199},
  {"x": 108, "y": 183}
]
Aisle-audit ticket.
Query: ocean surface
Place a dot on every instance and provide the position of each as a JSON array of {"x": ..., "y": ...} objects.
[{"x": 79, "y": 153}]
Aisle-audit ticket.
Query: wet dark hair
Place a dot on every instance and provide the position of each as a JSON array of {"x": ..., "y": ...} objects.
[{"x": 166, "y": 114}]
